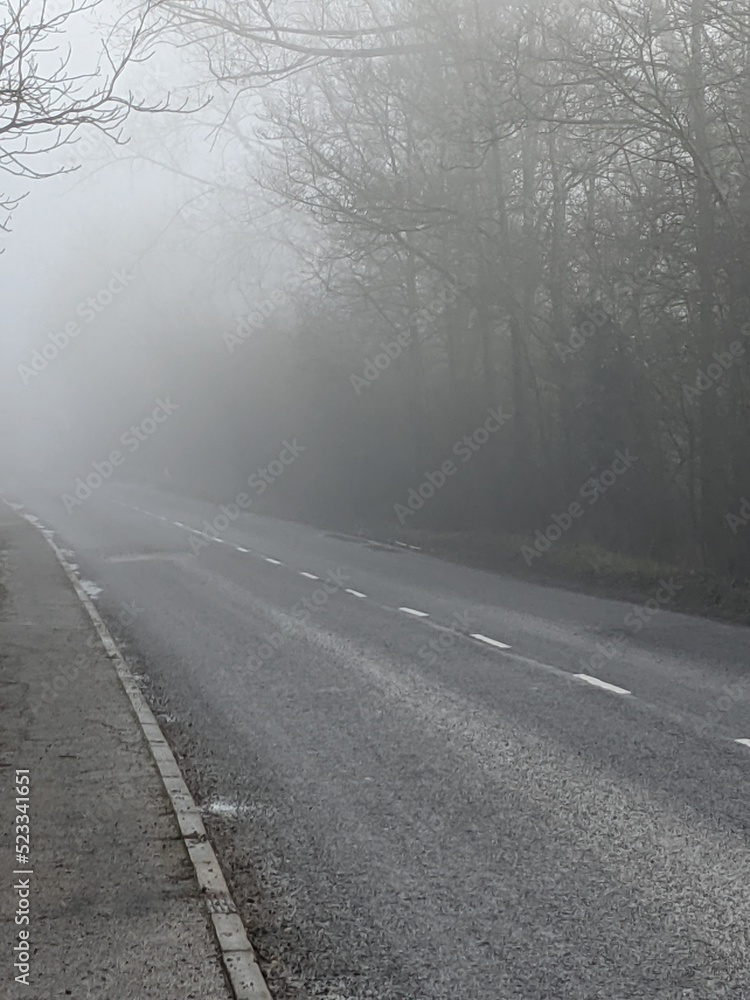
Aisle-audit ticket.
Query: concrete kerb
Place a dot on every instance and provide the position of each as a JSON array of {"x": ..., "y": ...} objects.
[{"x": 240, "y": 962}]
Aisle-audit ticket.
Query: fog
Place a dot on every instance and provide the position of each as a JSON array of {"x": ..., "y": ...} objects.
[
  {"x": 121, "y": 276},
  {"x": 478, "y": 292},
  {"x": 375, "y": 536}
]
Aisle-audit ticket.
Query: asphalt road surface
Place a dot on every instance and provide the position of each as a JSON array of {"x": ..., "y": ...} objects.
[{"x": 430, "y": 782}]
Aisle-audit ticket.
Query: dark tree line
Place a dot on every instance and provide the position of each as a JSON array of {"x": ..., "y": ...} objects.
[
  {"x": 538, "y": 208},
  {"x": 577, "y": 177}
]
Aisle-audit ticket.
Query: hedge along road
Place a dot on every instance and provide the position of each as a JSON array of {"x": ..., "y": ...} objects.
[{"x": 465, "y": 449}]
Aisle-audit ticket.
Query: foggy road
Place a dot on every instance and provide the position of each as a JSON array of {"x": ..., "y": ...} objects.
[
  {"x": 427, "y": 781},
  {"x": 472, "y": 272}
]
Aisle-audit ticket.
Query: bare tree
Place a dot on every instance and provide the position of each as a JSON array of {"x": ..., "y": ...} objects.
[
  {"x": 584, "y": 170},
  {"x": 257, "y": 42},
  {"x": 46, "y": 96}
]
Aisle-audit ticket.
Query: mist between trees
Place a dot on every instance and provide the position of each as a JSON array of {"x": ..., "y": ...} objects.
[{"x": 578, "y": 177}]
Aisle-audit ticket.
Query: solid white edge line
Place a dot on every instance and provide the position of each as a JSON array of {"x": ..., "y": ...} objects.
[
  {"x": 745, "y": 743},
  {"x": 417, "y": 614},
  {"x": 273, "y": 562},
  {"x": 310, "y": 576},
  {"x": 602, "y": 684},
  {"x": 354, "y": 593},
  {"x": 490, "y": 642},
  {"x": 237, "y": 953}
]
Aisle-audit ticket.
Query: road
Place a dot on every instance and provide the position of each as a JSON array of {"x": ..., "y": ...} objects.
[{"x": 411, "y": 790}]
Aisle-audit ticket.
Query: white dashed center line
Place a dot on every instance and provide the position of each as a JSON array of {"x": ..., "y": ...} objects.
[
  {"x": 745, "y": 743},
  {"x": 490, "y": 642},
  {"x": 601, "y": 684},
  {"x": 495, "y": 643}
]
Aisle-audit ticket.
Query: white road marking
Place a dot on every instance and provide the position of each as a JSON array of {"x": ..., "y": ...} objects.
[
  {"x": 355, "y": 593},
  {"x": 745, "y": 743},
  {"x": 411, "y": 611},
  {"x": 601, "y": 684},
  {"x": 179, "y": 524},
  {"x": 310, "y": 576},
  {"x": 273, "y": 562},
  {"x": 240, "y": 549},
  {"x": 222, "y": 808},
  {"x": 490, "y": 642}
]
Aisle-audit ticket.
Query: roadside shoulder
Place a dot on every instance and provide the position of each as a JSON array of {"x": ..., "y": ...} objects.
[{"x": 114, "y": 908}]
